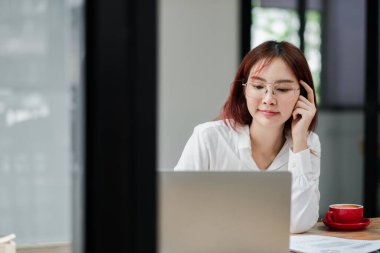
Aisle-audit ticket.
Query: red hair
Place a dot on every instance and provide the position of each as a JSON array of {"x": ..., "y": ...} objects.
[{"x": 235, "y": 109}]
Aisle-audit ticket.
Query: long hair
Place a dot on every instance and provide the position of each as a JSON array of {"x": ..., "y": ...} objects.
[{"x": 235, "y": 109}]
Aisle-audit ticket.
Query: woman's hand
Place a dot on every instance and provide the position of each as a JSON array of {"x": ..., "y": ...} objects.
[{"x": 303, "y": 114}]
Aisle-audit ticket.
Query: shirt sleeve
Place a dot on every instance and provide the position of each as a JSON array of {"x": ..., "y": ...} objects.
[
  {"x": 305, "y": 168},
  {"x": 195, "y": 154}
]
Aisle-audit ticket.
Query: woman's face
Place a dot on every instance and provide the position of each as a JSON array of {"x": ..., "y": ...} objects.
[{"x": 271, "y": 93}]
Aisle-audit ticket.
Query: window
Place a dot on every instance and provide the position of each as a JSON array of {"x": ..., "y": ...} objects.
[
  {"x": 40, "y": 69},
  {"x": 273, "y": 23}
]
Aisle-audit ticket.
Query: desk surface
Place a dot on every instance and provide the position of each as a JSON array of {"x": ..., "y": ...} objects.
[{"x": 372, "y": 232}]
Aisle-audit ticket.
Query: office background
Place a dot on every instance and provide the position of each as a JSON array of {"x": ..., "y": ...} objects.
[
  {"x": 195, "y": 78},
  {"x": 198, "y": 51}
]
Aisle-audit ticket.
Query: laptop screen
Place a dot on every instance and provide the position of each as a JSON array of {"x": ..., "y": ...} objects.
[{"x": 224, "y": 211}]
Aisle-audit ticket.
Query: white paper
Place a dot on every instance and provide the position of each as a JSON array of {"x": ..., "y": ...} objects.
[
  {"x": 7, "y": 238},
  {"x": 328, "y": 244}
]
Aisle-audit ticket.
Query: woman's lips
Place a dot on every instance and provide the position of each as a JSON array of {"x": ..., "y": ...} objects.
[{"x": 268, "y": 113}]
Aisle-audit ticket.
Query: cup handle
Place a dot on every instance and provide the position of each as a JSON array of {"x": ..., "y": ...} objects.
[{"x": 330, "y": 217}]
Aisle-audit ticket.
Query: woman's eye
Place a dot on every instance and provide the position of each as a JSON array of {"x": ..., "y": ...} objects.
[
  {"x": 282, "y": 90},
  {"x": 258, "y": 86}
]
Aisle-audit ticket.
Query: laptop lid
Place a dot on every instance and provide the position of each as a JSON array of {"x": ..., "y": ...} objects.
[{"x": 224, "y": 212}]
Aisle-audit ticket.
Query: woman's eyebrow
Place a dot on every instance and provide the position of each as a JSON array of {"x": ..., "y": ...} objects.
[
  {"x": 258, "y": 78},
  {"x": 277, "y": 81},
  {"x": 284, "y": 81}
]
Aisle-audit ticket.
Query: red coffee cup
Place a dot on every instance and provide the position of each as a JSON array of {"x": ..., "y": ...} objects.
[{"x": 345, "y": 213}]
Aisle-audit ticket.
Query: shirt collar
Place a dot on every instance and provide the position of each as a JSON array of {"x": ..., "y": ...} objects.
[
  {"x": 282, "y": 157},
  {"x": 244, "y": 140}
]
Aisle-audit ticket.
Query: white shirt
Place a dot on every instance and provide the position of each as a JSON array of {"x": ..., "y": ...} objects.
[{"x": 216, "y": 146}]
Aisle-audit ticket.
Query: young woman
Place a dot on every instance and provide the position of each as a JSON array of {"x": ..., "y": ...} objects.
[{"x": 266, "y": 124}]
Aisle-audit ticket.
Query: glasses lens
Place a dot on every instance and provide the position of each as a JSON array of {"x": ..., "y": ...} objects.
[
  {"x": 259, "y": 89},
  {"x": 284, "y": 91}
]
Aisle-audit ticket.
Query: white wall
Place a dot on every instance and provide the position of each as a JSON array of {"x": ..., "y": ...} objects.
[
  {"x": 199, "y": 54},
  {"x": 198, "y": 57}
]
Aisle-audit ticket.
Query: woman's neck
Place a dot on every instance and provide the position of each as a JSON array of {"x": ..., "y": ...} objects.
[
  {"x": 266, "y": 138},
  {"x": 266, "y": 143}
]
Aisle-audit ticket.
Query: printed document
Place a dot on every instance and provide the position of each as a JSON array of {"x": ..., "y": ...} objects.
[
  {"x": 323, "y": 244},
  {"x": 7, "y": 238}
]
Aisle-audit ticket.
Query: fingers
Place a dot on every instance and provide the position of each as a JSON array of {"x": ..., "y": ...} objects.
[
  {"x": 298, "y": 111},
  {"x": 309, "y": 90},
  {"x": 305, "y": 103},
  {"x": 303, "y": 113},
  {"x": 304, "y": 100},
  {"x": 304, "y": 108}
]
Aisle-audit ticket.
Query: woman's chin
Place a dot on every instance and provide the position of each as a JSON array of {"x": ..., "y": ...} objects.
[{"x": 270, "y": 122}]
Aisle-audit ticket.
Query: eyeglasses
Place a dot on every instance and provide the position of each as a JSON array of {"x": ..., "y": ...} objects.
[{"x": 259, "y": 89}]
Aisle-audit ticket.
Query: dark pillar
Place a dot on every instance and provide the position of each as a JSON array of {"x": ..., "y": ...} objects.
[
  {"x": 301, "y": 6},
  {"x": 120, "y": 126},
  {"x": 245, "y": 27},
  {"x": 371, "y": 105}
]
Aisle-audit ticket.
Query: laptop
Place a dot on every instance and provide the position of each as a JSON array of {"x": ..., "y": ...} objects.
[{"x": 217, "y": 212}]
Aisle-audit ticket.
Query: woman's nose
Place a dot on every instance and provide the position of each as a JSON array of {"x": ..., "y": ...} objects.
[{"x": 269, "y": 97}]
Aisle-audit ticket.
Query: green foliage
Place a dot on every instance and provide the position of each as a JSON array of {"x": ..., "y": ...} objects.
[{"x": 283, "y": 24}]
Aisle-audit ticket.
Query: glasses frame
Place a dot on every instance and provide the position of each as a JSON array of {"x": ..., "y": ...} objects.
[{"x": 272, "y": 85}]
